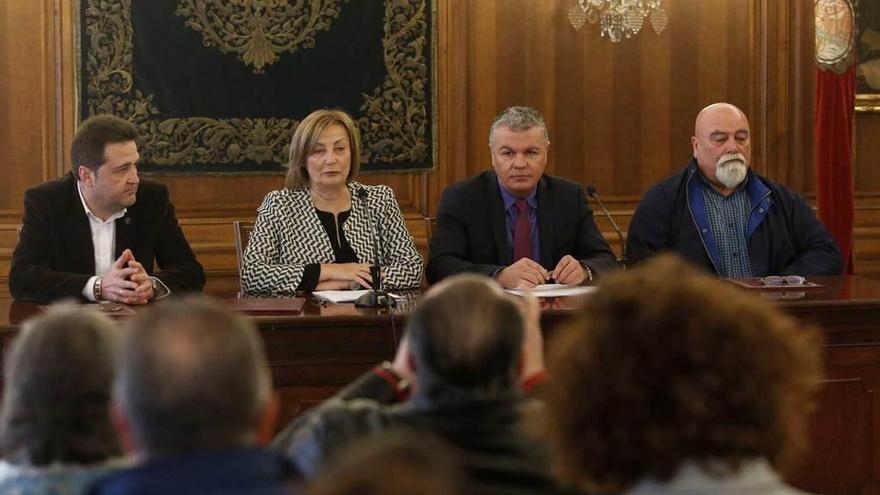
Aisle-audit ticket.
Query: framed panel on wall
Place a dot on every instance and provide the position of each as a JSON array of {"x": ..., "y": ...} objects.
[
  {"x": 868, "y": 47},
  {"x": 218, "y": 86}
]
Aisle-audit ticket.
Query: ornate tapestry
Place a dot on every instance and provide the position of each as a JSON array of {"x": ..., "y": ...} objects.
[{"x": 218, "y": 86}]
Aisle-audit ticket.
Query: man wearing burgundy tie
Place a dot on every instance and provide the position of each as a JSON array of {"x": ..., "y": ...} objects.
[{"x": 515, "y": 223}]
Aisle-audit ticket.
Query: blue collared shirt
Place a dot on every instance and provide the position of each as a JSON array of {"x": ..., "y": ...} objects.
[
  {"x": 511, "y": 214},
  {"x": 728, "y": 220}
]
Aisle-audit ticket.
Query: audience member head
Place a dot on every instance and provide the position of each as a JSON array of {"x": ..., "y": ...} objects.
[
  {"x": 330, "y": 133},
  {"x": 88, "y": 148},
  {"x": 397, "y": 462},
  {"x": 722, "y": 145},
  {"x": 192, "y": 376},
  {"x": 467, "y": 334},
  {"x": 519, "y": 143},
  {"x": 57, "y": 380},
  {"x": 664, "y": 365}
]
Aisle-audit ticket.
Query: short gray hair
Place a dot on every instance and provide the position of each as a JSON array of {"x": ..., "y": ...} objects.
[
  {"x": 58, "y": 376},
  {"x": 467, "y": 333},
  {"x": 518, "y": 119},
  {"x": 192, "y": 376}
]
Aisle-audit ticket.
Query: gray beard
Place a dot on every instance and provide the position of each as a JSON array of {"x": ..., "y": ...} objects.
[{"x": 731, "y": 170}]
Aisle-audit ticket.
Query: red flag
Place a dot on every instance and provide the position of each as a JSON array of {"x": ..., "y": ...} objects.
[{"x": 835, "y": 106}]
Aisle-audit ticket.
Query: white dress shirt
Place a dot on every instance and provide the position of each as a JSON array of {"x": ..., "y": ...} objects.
[{"x": 103, "y": 240}]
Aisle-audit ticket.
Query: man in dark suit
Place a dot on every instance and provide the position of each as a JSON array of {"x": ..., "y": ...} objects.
[
  {"x": 97, "y": 232},
  {"x": 514, "y": 223}
]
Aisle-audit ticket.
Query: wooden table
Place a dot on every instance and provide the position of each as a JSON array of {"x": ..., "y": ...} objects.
[{"x": 315, "y": 352}]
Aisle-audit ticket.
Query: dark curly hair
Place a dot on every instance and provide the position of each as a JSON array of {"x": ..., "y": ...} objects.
[{"x": 664, "y": 365}]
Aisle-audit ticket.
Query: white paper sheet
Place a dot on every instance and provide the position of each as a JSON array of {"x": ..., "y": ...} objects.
[
  {"x": 554, "y": 290},
  {"x": 344, "y": 296}
]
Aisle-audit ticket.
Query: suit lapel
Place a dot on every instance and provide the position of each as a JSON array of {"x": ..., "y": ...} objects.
[
  {"x": 496, "y": 219},
  {"x": 545, "y": 224},
  {"x": 76, "y": 230}
]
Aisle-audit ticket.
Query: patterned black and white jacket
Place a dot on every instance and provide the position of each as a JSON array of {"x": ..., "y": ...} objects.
[{"x": 288, "y": 235}]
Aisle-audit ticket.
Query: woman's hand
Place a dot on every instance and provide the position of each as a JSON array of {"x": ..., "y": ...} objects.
[{"x": 347, "y": 272}]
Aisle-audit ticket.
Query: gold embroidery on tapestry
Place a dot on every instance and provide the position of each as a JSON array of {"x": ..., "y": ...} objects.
[
  {"x": 393, "y": 125},
  {"x": 258, "y": 30},
  {"x": 396, "y": 115}
]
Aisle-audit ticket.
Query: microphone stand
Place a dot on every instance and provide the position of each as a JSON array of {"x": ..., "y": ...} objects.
[
  {"x": 376, "y": 298},
  {"x": 621, "y": 260}
]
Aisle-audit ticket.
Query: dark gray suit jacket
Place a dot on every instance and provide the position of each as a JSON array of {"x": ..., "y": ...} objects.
[
  {"x": 55, "y": 257},
  {"x": 471, "y": 237}
]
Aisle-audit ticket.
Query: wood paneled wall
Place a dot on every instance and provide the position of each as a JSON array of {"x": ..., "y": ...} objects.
[{"x": 620, "y": 115}]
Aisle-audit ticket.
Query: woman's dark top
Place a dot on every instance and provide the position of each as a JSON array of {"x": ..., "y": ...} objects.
[{"x": 341, "y": 248}]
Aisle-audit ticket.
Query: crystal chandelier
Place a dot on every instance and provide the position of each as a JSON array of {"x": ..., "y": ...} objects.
[{"x": 619, "y": 18}]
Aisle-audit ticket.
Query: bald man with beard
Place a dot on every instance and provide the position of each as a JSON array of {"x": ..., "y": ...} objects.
[{"x": 720, "y": 215}]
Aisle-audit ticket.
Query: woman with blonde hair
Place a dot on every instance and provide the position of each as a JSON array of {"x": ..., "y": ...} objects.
[{"x": 318, "y": 232}]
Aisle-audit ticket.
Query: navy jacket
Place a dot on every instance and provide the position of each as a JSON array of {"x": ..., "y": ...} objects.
[
  {"x": 784, "y": 236},
  {"x": 227, "y": 472},
  {"x": 471, "y": 231}
]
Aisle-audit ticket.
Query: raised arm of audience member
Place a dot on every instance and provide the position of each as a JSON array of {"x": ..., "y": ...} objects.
[{"x": 461, "y": 363}]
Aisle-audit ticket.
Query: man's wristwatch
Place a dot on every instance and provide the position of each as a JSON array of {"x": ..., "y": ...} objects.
[
  {"x": 588, "y": 273},
  {"x": 97, "y": 290}
]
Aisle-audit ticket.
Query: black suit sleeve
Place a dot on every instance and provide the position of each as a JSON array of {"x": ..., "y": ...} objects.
[
  {"x": 178, "y": 268},
  {"x": 649, "y": 228},
  {"x": 30, "y": 275},
  {"x": 449, "y": 246}
]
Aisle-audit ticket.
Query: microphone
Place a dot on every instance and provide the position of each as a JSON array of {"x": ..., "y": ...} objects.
[
  {"x": 593, "y": 193},
  {"x": 377, "y": 298}
]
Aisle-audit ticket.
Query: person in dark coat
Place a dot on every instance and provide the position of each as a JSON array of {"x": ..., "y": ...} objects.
[
  {"x": 97, "y": 233},
  {"x": 193, "y": 403},
  {"x": 721, "y": 216},
  {"x": 515, "y": 223},
  {"x": 460, "y": 374}
]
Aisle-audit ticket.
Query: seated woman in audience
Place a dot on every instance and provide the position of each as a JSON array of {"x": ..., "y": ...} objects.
[
  {"x": 55, "y": 429},
  {"x": 318, "y": 233},
  {"x": 670, "y": 381}
]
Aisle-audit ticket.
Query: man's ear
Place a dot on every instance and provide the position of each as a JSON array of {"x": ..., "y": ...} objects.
[
  {"x": 268, "y": 421},
  {"x": 84, "y": 174},
  {"x": 122, "y": 425}
]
